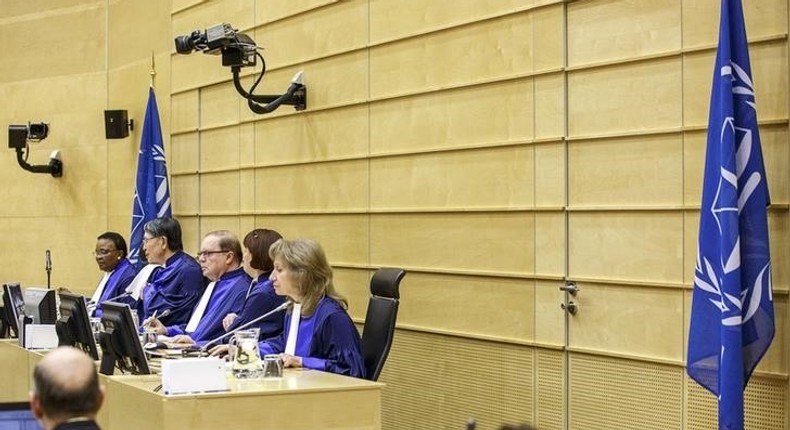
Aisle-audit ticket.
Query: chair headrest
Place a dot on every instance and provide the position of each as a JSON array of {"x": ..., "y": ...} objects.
[{"x": 386, "y": 281}]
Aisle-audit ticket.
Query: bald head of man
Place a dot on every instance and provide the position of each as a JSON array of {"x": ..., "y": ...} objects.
[{"x": 65, "y": 388}]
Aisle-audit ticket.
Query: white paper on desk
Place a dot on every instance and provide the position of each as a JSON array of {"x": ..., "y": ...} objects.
[
  {"x": 40, "y": 336},
  {"x": 193, "y": 375}
]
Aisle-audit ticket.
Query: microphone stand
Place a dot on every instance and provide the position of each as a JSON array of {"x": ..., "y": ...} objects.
[{"x": 48, "y": 268}]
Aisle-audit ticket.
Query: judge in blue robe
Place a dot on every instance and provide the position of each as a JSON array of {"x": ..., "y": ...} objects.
[
  {"x": 176, "y": 287},
  {"x": 260, "y": 297},
  {"x": 110, "y": 254},
  {"x": 324, "y": 338},
  {"x": 220, "y": 261}
]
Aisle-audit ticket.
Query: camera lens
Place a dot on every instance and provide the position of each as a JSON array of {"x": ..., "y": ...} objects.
[{"x": 184, "y": 44}]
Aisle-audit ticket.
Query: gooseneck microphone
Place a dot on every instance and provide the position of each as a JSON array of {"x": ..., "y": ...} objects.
[
  {"x": 283, "y": 306},
  {"x": 48, "y": 268}
]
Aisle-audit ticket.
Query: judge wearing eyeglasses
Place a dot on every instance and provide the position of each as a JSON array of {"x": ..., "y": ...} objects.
[{"x": 118, "y": 271}]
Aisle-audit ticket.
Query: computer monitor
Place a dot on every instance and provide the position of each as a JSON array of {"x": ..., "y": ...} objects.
[
  {"x": 18, "y": 416},
  {"x": 74, "y": 326},
  {"x": 40, "y": 305},
  {"x": 14, "y": 304},
  {"x": 119, "y": 341}
]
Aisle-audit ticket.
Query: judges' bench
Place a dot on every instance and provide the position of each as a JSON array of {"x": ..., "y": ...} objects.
[{"x": 302, "y": 399}]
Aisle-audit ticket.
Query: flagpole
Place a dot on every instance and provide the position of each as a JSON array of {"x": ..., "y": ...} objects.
[{"x": 153, "y": 71}]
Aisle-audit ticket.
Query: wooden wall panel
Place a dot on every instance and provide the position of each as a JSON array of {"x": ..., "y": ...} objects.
[
  {"x": 549, "y": 317},
  {"x": 442, "y": 180},
  {"x": 701, "y": 20},
  {"x": 648, "y": 322},
  {"x": 626, "y": 246},
  {"x": 184, "y": 156},
  {"x": 354, "y": 285},
  {"x": 271, "y": 10},
  {"x": 208, "y": 224},
  {"x": 219, "y": 105},
  {"x": 501, "y": 308},
  {"x": 321, "y": 135},
  {"x": 496, "y": 242},
  {"x": 334, "y": 81},
  {"x": 603, "y": 31},
  {"x": 185, "y": 111},
  {"x": 68, "y": 35},
  {"x": 617, "y": 172},
  {"x": 219, "y": 148},
  {"x": 219, "y": 193},
  {"x": 634, "y": 97},
  {"x": 185, "y": 194},
  {"x": 550, "y": 174},
  {"x": 550, "y": 236},
  {"x": 549, "y": 99},
  {"x": 477, "y": 52},
  {"x": 311, "y": 187},
  {"x": 499, "y": 112},
  {"x": 338, "y": 28},
  {"x": 344, "y": 237}
]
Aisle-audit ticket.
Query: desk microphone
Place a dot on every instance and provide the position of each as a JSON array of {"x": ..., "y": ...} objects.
[
  {"x": 243, "y": 326},
  {"x": 48, "y": 267},
  {"x": 112, "y": 299}
]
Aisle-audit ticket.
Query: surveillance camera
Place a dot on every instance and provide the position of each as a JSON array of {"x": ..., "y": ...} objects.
[
  {"x": 237, "y": 49},
  {"x": 38, "y": 131}
]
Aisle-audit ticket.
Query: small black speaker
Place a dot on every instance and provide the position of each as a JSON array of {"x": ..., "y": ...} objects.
[{"x": 116, "y": 124}]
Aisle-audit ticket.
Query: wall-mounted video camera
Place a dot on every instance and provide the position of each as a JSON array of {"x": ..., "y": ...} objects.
[
  {"x": 239, "y": 50},
  {"x": 18, "y": 138}
]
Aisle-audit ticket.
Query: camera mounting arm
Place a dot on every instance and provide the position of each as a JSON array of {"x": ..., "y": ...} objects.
[
  {"x": 54, "y": 168},
  {"x": 295, "y": 95}
]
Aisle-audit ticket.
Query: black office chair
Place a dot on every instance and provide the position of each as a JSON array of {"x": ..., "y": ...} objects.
[{"x": 379, "y": 328}]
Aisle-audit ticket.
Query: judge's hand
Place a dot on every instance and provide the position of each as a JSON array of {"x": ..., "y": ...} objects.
[
  {"x": 291, "y": 361},
  {"x": 183, "y": 339},
  {"x": 228, "y": 320},
  {"x": 220, "y": 351},
  {"x": 153, "y": 324}
]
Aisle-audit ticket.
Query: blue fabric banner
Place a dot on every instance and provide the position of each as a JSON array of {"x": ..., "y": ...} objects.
[
  {"x": 152, "y": 191},
  {"x": 732, "y": 317}
]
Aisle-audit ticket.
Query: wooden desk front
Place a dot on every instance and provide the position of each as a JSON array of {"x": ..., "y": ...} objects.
[{"x": 301, "y": 399}]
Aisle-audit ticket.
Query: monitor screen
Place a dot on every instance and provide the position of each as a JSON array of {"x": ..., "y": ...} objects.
[
  {"x": 120, "y": 343},
  {"x": 17, "y": 416},
  {"x": 14, "y": 304},
  {"x": 40, "y": 305},
  {"x": 74, "y": 326}
]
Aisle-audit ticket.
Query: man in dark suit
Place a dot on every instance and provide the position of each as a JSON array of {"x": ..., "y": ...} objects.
[{"x": 66, "y": 392}]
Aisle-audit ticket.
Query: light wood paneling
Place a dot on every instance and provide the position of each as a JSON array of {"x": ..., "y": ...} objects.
[
  {"x": 701, "y": 20},
  {"x": 496, "y": 242},
  {"x": 354, "y": 284},
  {"x": 345, "y": 238},
  {"x": 219, "y": 148},
  {"x": 648, "y": 322},
  {"x": 616, "y": 172},
  {"x": 629, "y": 246},
  {"x": 549, "y": 106},
  {"x": 604, "y": 31},
  {"x": 550, "y": 238},
  {"x": 270, "y": 10},
  {"x": 500, "y": 308},
  {"x": 549, "y": 317},
  {"x": 184, "y": 154},
  {"x": 61, "y": 41},
  {"x": 341, "y": 27},
  {"x": 310, "y": 187},
  {"x": 185, "y": 111},
  {"x": 219, "y": 193},
  {"x": 321, "y": 135},
  {"x": 185, "y": 194},
  {"x": 144, "y": 24},
  {"x": 219, "y": 105},
  {"x": 499, "y": 112},
  {"x": 442, "y": 180},
  {"x": 633, "y": 97},
  {"x": 550, "y": 175},
  {"x": 480, "y": 52}
]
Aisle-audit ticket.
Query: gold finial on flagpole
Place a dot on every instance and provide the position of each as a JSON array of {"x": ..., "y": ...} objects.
[{"x": 153, "y": 71}]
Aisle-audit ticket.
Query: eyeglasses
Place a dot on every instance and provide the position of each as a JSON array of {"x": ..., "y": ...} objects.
[
  {"x": 204, "y": 254},
  {"x": 103, "y": 252},
  {"x": 146, "y": 239}
]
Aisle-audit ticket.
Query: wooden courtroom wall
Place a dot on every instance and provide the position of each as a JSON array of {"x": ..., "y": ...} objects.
[
  {"x": 494, "y": 149},
  {"x": 64, "y": 62}
]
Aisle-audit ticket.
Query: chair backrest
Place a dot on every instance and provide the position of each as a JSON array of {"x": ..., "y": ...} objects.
[{"x": 379, "y": 329}]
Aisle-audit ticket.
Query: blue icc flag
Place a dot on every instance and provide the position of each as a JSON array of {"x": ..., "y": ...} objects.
[
  {"x": 732, "y": 316},
  {"x": 151, "y": 192}
]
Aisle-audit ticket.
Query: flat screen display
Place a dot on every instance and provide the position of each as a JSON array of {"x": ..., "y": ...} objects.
[{"x": 17, "y": 416}]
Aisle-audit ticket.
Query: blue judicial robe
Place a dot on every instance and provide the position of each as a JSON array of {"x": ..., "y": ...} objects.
[
  {"x": 176, "y": 287},
  {"x": 327, "y": 340},
  {"x": 261, "y": 299},
  {"x": 119, "y": 279},
  {"x": 228, "y": 296}
]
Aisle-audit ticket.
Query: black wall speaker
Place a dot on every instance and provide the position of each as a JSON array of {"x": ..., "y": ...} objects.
[{"x": 116, "y": 124}]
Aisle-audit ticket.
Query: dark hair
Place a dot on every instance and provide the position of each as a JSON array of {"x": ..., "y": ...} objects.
[
  {"x": 258, "y": 243},
  {"x": 117, "y": 239},
  {"x": 516, "y": 427},
  {"x": 169, "y": 228},
  {"x": 64, "y": 401},
  {"x": 227, "y": 241}
]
